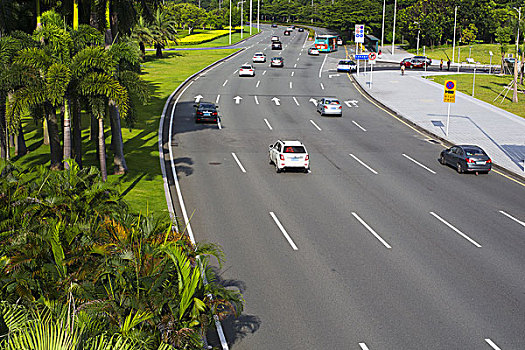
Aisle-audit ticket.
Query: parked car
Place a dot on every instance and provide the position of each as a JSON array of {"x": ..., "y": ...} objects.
[
  {"x": 313, "y": 51},
  {"x": 206, "y": 112},
  {"x": 466, "y": 158},
  {"x": 277, "y": 45},
  {"x": 274, "y": 25},
  {"x": 275, "y": 38},
  {"x": 259, "y": 57},
  {"x": 346, "y": 66},
  {"x": 289, "y": 154},
  {"x": 247, "y": 70},
  {"x": 287, "y": 33},
  {"x": 300, "y": 30},
  {"x": 330, "y": 106},
  {"x": 277, "y": 62}
]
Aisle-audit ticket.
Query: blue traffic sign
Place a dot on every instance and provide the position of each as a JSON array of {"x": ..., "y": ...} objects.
[{"x": 361, "y": 57}]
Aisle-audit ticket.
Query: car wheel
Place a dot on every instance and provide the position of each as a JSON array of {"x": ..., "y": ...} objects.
[
  {"x": 306, "y": 170},
  {"x": 459, "y": 168},
  {"x": 277, "y": 170},
  {"x": 442, "y": 160}
]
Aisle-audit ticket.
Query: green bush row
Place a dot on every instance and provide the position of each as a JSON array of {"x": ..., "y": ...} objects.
[{"x": 202, "y": 37}]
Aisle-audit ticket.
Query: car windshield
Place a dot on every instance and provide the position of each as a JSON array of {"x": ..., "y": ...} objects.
[
  {"x": 474, "y": 152},
  {"x": 294, "y": 149}
]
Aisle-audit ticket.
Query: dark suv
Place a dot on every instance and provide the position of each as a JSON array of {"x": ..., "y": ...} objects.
[
  {"x": 206, "y": 112},
  {"x": 277, "y": 45}
]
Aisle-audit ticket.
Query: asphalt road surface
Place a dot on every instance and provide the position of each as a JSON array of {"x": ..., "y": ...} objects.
[{"x": 378, "y": 247}]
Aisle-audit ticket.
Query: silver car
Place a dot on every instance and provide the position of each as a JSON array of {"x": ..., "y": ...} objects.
[
  {"x": 330, "y": 106},
  {"x": 466, "y": 158}
]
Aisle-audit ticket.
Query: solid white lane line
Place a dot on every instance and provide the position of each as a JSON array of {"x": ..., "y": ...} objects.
[
  {"x": 295, "y": 100},
  {"x": 225, "y": 82},
  {"x": 359, "y": 126},
  {"x": 512, "y": 217},
  {"x": 217, "y": 99},
  {"x": 256, "y": 99},
  {"x": 492, "y": 345},
  {"x": 455, "y": 229},
  {"x": 418, "y": 163},
  {"x": 264, "y": 72},
  {"x": 268, "y": 124},
  {"x": 363, "y": 164},
  {"x": 295, "y": 65},
  {"x": 317, "y": 126},
  {"x": 285, "y": 234},
  {"x": 322, "y": 65},
  {"x": 322, "y": 86},
  {"x": 258, "y": 82},
  {"x": 290, "y": 85},
  {"x": 363, "y": 346},
  {"x": 292, "y": 74},
  {"x": 380, "y": 239},
  {"x": 238, "y": 162}
]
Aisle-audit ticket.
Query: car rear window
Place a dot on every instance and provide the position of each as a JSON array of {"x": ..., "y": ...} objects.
[
  {"x": 294, "y": 149},
  {"x": 474, "y": 152},
  {"x": 344, "y": 62},
  {"x": 331, "y": 102},
  {"x": 246, "y": 67},
  {"x": 207, "y": 106}
]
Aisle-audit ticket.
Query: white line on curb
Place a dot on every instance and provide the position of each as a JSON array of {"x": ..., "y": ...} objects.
[
  {"x": 455, "y": 229},
  {"x": 317, "y": 126},
  {"x": 238, "y": 162},
  {"x": 512, "y": 217},
  {"x": 371, "y": 231},
  {"x": 363, "y": 164},
  {"x": 359, "y": 126},
  {"x": 268, "y": 124},
  {"x": 285, "y": 234},
  {"x": 492, "y": 345},
  {"x": 418, "y": 163}
]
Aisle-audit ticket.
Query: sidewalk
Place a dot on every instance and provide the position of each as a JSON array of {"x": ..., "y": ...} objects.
[{"x": 501, "y": 134}]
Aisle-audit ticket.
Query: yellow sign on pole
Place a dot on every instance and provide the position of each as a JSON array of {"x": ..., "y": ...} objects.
[{"x": 450, "y": 91}]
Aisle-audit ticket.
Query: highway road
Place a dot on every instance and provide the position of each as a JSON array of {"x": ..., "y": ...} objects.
[{"x": 378, "y": 247}]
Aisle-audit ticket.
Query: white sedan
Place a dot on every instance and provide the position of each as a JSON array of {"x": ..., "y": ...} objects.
[
  {"x": 289, "y": 154},
  {"x": 247, "y": 70},
  {"x": 259, "y": 57}
]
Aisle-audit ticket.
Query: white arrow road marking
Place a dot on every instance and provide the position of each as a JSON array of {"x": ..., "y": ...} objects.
[
  {"x": 277, "y": 101},
  {"x": 455, "y": 229},
  {"x": 285, "y": 234},
  {"x": 225, "y": 82},
  {"x": 322, "y": 86},
  {"x": 256, "y": 100},
  {"x": 512, "y": 217},
  {"x": 372, "y": 232},
  {"x": 352, "y": 103},
  {"x": 314, "y": 101},
  {"x": 268, "y": 124},
  {"x": 217, "y": 99},
  {"x": 363, "y": 346},
  {"x": 492, "y": 345},
  {"x": 295, "y": 100},
  {"x": 238, "y": 162},
  {"x": 363, "y": 164},
  {"x": 332, "y": 75},
  {"x": 257, "y": 85},
  {"x": 295, "y": 65},
  {"x": 317, "y": 126},
  {"x": 322, "y": 65},
  {"x": 290, "y": 85},
  {"x": 198, "y": 98},
  {"x": 237, "y": 99},
  {"x": 359, "y": 126},
  {"x": 418, "y": 163},
  {"x": 292, "y": 74}
]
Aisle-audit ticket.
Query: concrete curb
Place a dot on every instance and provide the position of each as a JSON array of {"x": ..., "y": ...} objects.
[{"x": 444, "y": 141}]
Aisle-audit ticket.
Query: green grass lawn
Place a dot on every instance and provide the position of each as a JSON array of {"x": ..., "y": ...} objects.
[
  {"x": 142, "y": 186},
  {"x": 224, "y": 40},
  {"x": 479, "y": 52},
  {"x": 486, "y": 89}
]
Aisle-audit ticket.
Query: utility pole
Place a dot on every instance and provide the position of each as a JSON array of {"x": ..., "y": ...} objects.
[
  {"x": 251, "y": 17},
  {"x": 258, "y": 13},
  {"x": 515, "y": 94},
  {"x": 383, "y": 26},
  {"x": 394, "y": 31},
  {"x": 230, "y": 35}
]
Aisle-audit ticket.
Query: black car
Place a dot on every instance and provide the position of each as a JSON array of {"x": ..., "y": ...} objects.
[
  {"x": 466, "y": 158},
  {"x": 287, "y": 32},
  {"x": 277, "y": 45},
  {"x": 206, "y": 112},
  {"x": 300, "y": 29},
  {"x": 274, "y": 25}
]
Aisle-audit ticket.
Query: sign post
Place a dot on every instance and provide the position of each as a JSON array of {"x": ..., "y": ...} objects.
[
  {"x": 372, "y": 59},
  {"x": 359, "y": 37},
  {"x": 449, "y": 97},
  {"x": 490, "y": 64}
]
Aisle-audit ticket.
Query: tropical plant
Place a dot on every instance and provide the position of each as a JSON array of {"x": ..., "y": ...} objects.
[{"x": 163, "y": 31}]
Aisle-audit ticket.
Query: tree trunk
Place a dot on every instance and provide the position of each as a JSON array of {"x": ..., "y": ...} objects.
[
  {"x": 54, "y": 140},
  {"x": 3, "y": 130},
  {"x": 102, "y": 149},
  {"x": 521, "y": 66},
  {"x": 158, "y": 52},
  {"x": 142, "y": 49},
  {"x": 67, "y": 133},
  {"x": 116, "y": 140},
  {"x": 20, "y": 143},
  {"x": 93, "y": 128},
  {"x": 77, "y": 132}
]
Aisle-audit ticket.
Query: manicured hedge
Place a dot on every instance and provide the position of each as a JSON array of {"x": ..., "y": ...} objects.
[{"x": 200, "y": 38}]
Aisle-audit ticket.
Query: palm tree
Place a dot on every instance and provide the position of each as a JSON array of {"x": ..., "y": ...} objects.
[
  {"x": 163, "y": 30},
  {"x": 142, "y": 33}
]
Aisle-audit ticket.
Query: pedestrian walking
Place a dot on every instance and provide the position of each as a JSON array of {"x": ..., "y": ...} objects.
[
  {"x": 402, "y": 69},
  {"x": 448, "y": 65},
  {"x": 441, "y": 65}
]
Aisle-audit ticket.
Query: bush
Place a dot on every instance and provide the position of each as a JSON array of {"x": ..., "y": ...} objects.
[{"x": 200, "y": 38}]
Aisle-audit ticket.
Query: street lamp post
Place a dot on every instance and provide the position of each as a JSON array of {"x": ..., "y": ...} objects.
[
  {"x": 394, "y": 31},
  {"x": 418, "y": 31},
  {"x": 454, "y": 40},
  {"x": 383, "y": 26},
  {"x": 258, "y": 12},
  {"x": 230, "y": 35},
  {"x": 515, "y": 94},
  {"x": 242, "y": 24},
  {"x": 251, "y": 17}
]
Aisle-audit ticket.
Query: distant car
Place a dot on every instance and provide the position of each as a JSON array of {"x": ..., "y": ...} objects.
[
  {"x": 206, "y": 112},
  {"x": 330, "y": 106},
  {"x": 300, "y": 30},
  {"x": 346, "y": 66},
  {"x": 247, "y": 70},
  {"x": 406, "y": 62},
  {"x": 287, "y": 33},
  {"x": 466, "y": 158},
  {"x": 313, "y": 51},
  {"x": 339, "y": 41},
  {"x": 289, "y": 154},
  {"x": 259, "y": 57},
  {"x": 277, "y": 45},
  {"x": 277, "y": 62},
  {"x": 418, "y": 63},
  {"x": 275, "y": 38},
  {"x": 423, "y": 58},
  {"x": 290, "y": 29},
  {"x": 274, "y": 25},
  {"x": 292, "y": 26}
]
